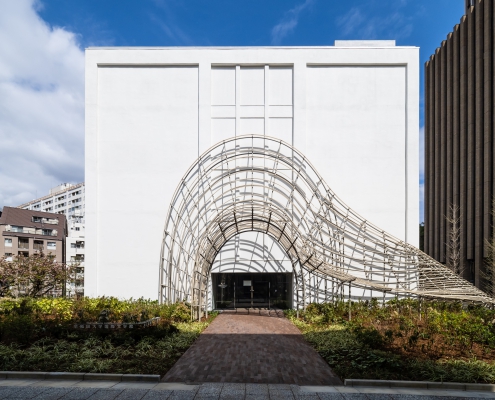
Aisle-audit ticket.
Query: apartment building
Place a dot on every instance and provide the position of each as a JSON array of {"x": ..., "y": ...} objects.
[
  {"x": 68, "y": 200},
  {"x": 27, "y": 232}
]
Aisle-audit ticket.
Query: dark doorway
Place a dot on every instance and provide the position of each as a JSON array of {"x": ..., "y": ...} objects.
[{"x": 264, "y": 290}]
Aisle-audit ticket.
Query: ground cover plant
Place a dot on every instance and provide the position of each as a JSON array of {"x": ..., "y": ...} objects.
[
  {"x": 39, "y": 335},
  {"x": 403, "y": 339}
]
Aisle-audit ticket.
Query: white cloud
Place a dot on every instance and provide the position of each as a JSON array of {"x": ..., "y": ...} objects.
[
  {"x": 363, "y": 23},
  {"x": 167, "y": 23},
  {"x": 41, "y": 104},
  {"x": 288, "y": 22}
]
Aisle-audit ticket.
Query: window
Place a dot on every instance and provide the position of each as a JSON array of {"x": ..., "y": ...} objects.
[
  {"x": 16, "y": 228},
  {"x": 77, "y": 228},
  {"x": 8, "y": 242},
  {"x": 23, "y": 243},
  {"x": 47, "y": 232},
  {"x": 36, "y": 219},
  {"x": 72, "y": 245},
  {"x": 51, "y": 246},
  {"x": 8, "y": 256},
  {"x": 38, "y": 245},
  {"x": 23, "y": 253}
]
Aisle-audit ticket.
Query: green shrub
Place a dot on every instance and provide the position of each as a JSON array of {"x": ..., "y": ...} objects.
[
  {"x": 39, "y": 335},
  {"x": 403, "y": 339},
  {"x": 181, "y": 312}
]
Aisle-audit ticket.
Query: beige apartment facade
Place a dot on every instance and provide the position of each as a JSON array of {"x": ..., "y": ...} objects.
[{"x": 27, "y": 232}]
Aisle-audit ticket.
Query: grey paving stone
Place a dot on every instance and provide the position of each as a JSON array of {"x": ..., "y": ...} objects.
[
  {"x": 182, "y": 395},
  {"x": 378, "y": 396},
  {"x": 305, "y": 396},
  {"x": 357, "y": 396},
  {"x": 6, "y": 391},
  {"x": 26, "y": 392},
  {"x": 232, "y": 394},
  {"x": 421, "y": 397},
  {"x": 104, "y": 394},
  {"x": 281, "y": 394},
  {"x": 234, "y": 386},
  {"x": 330, "y": 396},
  {"x": 80, "y": 393},
  {"x": 210, "y": 389},
  {"x": 256, "y": 388},
  {"x": 54, "y": 393},
  {"x": 279, "y": 386},
  {"x": 207, "y": 397},
  {"x": 213, "y": 384},
  {"x": 157, "y": 395},
  {"x": 259, "y": 396},
  {"x": 132, "y": 394}
]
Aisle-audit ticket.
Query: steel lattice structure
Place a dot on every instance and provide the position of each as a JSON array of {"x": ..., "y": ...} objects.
[{"x": 258, "y": 183}]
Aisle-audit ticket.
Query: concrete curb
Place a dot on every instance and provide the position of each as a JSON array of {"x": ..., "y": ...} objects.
[
  {"x": 486, "y": 387},
  {"x": 79, "y": 376}
]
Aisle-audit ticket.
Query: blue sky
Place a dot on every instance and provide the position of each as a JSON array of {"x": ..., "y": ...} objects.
[{"x": 42, "y": 60}]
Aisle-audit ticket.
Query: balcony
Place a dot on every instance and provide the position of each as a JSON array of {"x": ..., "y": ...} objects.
[
  {"x": 38, "y": 247},
  {"x": 23, "y": 245},
  {"x": 31, "y": 231}
]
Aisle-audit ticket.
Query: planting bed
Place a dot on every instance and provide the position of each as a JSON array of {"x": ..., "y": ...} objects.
[
  {"x": 403, "y": 340},
  {"x": 40, "y": 335}
]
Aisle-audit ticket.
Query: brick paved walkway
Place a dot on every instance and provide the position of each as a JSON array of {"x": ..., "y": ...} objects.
[{"x": 252, "y": 347}]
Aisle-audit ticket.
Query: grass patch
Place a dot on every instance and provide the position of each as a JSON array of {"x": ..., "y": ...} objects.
[
  {"x": 404, "y": 340},
  {"x": 39, "y": 335}
]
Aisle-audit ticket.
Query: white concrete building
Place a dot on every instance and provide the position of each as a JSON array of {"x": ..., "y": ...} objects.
[
  {"x": 68, "y": 199},
  {"x": 352, "y": 109}
]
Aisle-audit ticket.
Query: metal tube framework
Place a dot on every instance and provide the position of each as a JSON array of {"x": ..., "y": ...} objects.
[{"x": 258, "y": 183}]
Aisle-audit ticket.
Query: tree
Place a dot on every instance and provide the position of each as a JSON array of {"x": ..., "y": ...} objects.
[
  {"x": 36, "y": 275},
  {"x": 454, "y": 240},
  {"x": 4, "y": 279}
]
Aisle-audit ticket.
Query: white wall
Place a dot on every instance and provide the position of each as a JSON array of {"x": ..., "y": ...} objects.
[{"x": 151, "y": 111}]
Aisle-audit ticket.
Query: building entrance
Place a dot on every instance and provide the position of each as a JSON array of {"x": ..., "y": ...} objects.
[{"x": 246, "y": 290}]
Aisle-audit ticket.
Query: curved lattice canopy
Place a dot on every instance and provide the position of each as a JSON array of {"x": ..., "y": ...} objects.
[{"x": 257, "y": 183}]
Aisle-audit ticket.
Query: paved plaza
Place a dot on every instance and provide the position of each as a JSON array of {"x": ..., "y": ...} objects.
[
  {"x": 102, "y": 390},
  {"x": 252, "y": 346}
]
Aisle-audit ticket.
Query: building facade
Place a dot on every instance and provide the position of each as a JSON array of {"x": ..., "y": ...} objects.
[
  {"x": 68, "y": 200},
  {"x": 351, "y": 109},
  {"x": 27, "y": 232},
  {"x": 459, "y": 144}
]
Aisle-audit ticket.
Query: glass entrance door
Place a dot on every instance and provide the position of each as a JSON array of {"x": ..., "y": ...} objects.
[
  {"x": 261, "y": 293},
  {"x": 263, "y": 290},
  {"x": 244, "y": 291}
]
